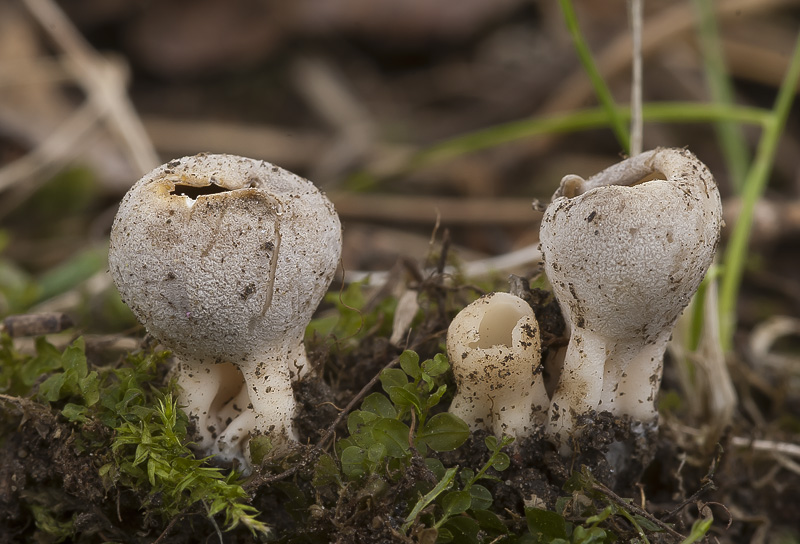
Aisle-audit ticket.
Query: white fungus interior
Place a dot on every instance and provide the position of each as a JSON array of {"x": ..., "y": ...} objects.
[{"x": 497, "y": 324}]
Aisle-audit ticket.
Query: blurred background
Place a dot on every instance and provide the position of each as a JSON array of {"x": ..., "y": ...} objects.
[
  {"x": 380, "y": 102},
  {"x": 431, "y": 124}
]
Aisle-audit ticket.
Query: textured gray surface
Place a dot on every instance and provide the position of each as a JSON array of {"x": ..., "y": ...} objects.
[
  {"x": 224, "y": 259},
  {"x": 624, "y": 258}
]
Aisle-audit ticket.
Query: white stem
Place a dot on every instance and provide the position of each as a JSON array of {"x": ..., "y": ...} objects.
[
  {"x": 632, "y": 369},
  {"x": 270, "y": 405},
  {"x": 642, "y": 374},
  {"x": 516, "y": 407},
  {"x": 580, "y": 386},
  {"x": 199, "y": 384},
  {"x": 506, "y": 399}
]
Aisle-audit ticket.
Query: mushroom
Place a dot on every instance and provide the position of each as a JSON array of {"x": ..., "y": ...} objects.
[
  {"x": 225, "y": 259},
  {"x": 624, "y": 251},
  {"x": 494, "y": 349}
]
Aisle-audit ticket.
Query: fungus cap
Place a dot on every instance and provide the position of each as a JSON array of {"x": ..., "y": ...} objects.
[{"x": 217, "y": 254}]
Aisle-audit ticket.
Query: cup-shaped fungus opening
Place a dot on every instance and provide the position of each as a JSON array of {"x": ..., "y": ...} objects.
[
  {"x": 494, "y": 350},
  {"x": 499, "y": 321}
]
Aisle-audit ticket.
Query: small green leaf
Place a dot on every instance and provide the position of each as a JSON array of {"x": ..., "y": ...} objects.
[
  {"x": 500, "y": 461},
  {"x": 216, "y": 507},
  {"x": 435, "y": 466},
  {"x": 403, "y": 397},
  {"x": 353, "y": 461},
  {"x": 491, "y": 443},
  {"x": 481, "y": 497},
  {"x": 699, "y": 530},
  {"x": 132, "y": 394},
  {"x": 376, "y": 452},
  {"x": 442, "y": 485},
  {"x": 443, "y": 432},
  {"x": 592, "y": 535},
  {"x": 74, "y": 358},
  {"x": 378, "y": 404},
  {"x": 393, "y": 434},
  {"x": 47, "y": 359},
  {"x": 358, "y": 419},
  {"x": 436, "y": 366},
  {"x": 90, "y": 388},
  {"x": 151, "y": 471},
  {"x": 543, "y": 523},
  {"x": 444, "y": 536},
  {"x": 409, "y": 362},
  {"x": 434, "y": 399},
  {"x": 488, "y": 521},
  {"x": 601, "y": 516},
  {"x": 464, "y": 529},
  {"x": 295, "y": 503},
  {"x": 393, "y": 377},
  {"x": 74, "y": 412},
  {"x": 326, "y": 472},
  {"x": 456, "y": 502},
  {"x": 50, "y": 389},
  {"x": 260, "y": 447},
  {"x": 142, "y": 452}
]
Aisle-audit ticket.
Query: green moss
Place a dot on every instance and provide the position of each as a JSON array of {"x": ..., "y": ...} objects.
[{"x": 146, "y": 436}]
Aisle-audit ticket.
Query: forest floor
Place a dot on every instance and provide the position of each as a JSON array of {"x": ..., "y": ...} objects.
[{"x": 359, "y": 100}]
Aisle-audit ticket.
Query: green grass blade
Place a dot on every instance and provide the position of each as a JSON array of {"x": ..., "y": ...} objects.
[
  {"x": 587, "y": 119},
  {"x": 755, "y": 183},
  {"x": 69, "y": 274},
  {"x": 618, "y": 123},
  {"x": 731, "y": 139}
]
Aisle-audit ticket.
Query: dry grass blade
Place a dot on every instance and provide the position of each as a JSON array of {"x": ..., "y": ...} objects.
[
  {"x": 60, "y": 146},
  {"x": 102, "y": 85},
  {"x": 616, "y": 57}
]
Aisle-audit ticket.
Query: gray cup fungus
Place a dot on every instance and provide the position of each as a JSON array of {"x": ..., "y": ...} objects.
[
  {"x": 225, "y": 259},
  {"x": 624, "y": 251}
]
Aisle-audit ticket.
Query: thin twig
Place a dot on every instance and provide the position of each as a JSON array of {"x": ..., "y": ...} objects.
[
  {"x": 767, "y": 446},
  {"x": 707, "y": 486},
  {"x": 597, "y": 486},
  {"x": 169, "y": 526},
  {"x": 101, "y": 83},
  {"x": 635, "y": 7}
]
